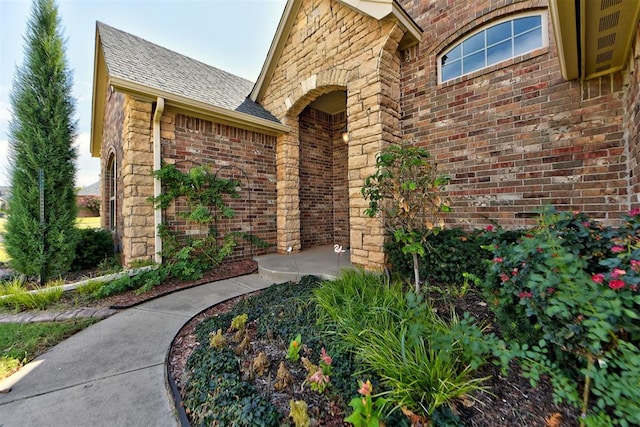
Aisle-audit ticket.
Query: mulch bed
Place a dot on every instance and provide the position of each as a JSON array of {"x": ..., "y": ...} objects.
[
  {"x": 130, "y": 298},
  {"x": 512, "y": 401}
]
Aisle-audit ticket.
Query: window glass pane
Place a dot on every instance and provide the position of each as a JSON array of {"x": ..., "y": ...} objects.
[
  {"x": 473, "y": 62},
  {"x": 452, "y": 55},
  {"x": 451, "y": 70},
  {"x": 521, "y": 25},
  {"x": 499, "y": 52},
  {"x": 527, "y": 41},
  {"x": 498, "y": 33},
  {"x": 473, "y": 44}
]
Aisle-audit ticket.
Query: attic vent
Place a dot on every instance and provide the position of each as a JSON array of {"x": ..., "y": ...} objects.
[
  {"x": 604, "y": 56},
  {"x": 608, "y": 3},
  {"x": 609, "y": 21},
  {"x": 606, "y": 41}
]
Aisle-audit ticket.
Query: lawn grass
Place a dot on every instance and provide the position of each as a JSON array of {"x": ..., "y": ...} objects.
[{"x": 22, "y": 342}]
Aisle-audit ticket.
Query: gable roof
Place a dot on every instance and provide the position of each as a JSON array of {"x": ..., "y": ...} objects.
[
  {"x": 377, "y": 9},
  {"x": 134, "y": 65}
]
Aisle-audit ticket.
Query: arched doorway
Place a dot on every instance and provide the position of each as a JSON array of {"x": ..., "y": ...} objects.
[{"x": 324, "y": 189}]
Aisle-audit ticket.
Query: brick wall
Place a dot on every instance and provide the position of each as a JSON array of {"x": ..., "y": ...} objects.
[
  {"x": 516, "y": 136},
  {"x": 233, "y": 153},
  {"x": 324, "y": 202},
  {"x": 633, "y": 122},
  {"x": 316, "y": 170},
  {"x": 340, "y": 182}
]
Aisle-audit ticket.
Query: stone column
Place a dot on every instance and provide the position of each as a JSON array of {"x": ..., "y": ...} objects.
[
  {"x": 288, "y": 187},
  {"x": 137, "y": 180},
  {"x": 373, "y": 113}
]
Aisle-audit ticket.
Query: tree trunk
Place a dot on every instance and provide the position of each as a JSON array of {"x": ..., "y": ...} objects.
[{"x": 416, "y": 272}]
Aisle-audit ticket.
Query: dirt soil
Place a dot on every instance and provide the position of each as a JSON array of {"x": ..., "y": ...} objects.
[
  {"x": 511, "y": 403},
  {"x": 130, "y": 298}
]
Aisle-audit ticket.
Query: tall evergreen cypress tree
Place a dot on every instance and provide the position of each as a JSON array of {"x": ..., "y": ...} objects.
[{"x": 41, "y": 135}]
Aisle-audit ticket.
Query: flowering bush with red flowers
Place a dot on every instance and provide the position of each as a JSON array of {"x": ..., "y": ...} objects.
[{"x": 566, "y": 297}]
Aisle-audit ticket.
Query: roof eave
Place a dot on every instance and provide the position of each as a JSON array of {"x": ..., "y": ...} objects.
[
  {"x": 99, "y": 97},
  {"x": 583, "y": 31},
  {"x": 204, "y": 109},
  {"x": 277, "y": 44}
]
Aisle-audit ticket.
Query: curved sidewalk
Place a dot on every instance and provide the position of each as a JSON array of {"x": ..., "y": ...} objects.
[{"x": 113, "y": 373}]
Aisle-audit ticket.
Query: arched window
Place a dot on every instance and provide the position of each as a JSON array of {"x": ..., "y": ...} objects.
[
  {"x": 492, "y": 44},
  {"x": 110, "y": 191}
]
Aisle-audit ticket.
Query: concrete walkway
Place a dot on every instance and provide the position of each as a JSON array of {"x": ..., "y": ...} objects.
[{"x": 113, "y": 373}]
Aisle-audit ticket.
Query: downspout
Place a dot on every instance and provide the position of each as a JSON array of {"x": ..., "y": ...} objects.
[{"x": 157, "y": 185}]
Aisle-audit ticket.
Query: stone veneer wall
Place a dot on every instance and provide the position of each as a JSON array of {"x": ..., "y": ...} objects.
[
  {"x": 333, "y": 47},
  {"x": 516, "y": 136},
  {"x": 188, "y": 141},
  {"x": 138, "y": 240},
  {"x": 112, "y": 145}
]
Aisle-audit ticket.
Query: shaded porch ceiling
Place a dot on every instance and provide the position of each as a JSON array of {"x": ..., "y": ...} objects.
[
  {"x": 331, "y": 103},
  {"x": 594, "y": 37}
]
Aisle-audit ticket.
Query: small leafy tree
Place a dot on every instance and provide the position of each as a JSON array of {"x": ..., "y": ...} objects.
[
  {"x": 41, "y": 135},
  {"x": 406, "y": 190}
]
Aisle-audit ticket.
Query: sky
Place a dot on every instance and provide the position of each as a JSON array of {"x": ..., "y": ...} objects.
[{"x": 233, "y": 35}]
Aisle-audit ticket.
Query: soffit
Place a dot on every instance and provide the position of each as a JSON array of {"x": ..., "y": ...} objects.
[{"x": 594, "y": 37}]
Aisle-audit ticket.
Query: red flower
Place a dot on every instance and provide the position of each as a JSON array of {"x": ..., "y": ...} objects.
[
  {"x": 617, "y": 249},
  {"x": 598, "y": 278},
  {"x": 634, "y": 212},
  {"x": 550, "y": 290},
  {"x": 498, "y": 259},
  {"x": 489, "y": 227},
  {"x": 616, "y": 284},
  {"x": 634, "y": 288},
  {"x": 540, "y": 250},
  {"x": 525, "y": 295},
  {"x": 504, "y": 277},
  {"x": 635, "y": 265}
]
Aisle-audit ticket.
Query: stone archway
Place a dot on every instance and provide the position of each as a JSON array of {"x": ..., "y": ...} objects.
[{"x": 365, "y": 63}]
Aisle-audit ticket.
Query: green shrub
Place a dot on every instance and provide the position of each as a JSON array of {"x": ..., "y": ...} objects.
[
  {"x": 422, "y": 359},
  {"x": 141, "y": 282},
  {"x": 567, "y": 296},
  {"x": 94, "y": 247}
]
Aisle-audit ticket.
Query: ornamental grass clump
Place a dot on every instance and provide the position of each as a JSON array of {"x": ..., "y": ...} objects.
[
  {"x": 566, "y": 295},
  {"x": 423, "y": 360}
]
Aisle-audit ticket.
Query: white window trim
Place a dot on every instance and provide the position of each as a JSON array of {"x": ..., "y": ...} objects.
[{"x": 545, "y": 42}]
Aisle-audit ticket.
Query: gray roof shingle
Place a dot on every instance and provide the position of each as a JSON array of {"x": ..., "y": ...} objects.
[{"x": 134, "y": 59}]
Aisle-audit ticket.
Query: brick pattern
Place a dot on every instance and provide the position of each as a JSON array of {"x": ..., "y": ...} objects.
[
  {"x": 340, "y": 182},
  {"x": 516, "y": 136},
  {"x": 232, "y": 153},
  {"x": 333, "y": 47},
  {"x": 324, "y": 202},
  {"x": 633, "y": 121}
]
